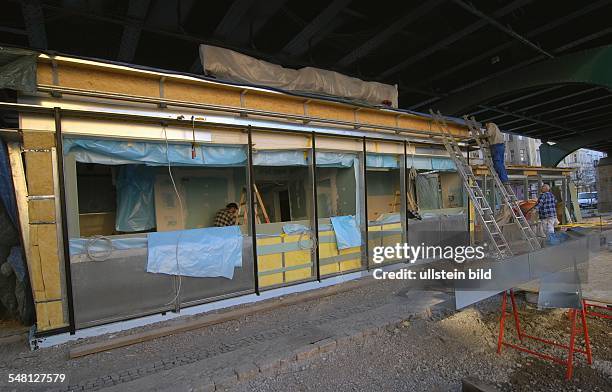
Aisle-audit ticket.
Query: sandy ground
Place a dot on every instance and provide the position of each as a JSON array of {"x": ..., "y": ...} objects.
[{"x": 436, "y": 354}]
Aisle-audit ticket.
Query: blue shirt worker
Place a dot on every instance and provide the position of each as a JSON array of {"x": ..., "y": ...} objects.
[
  {"x": 547, "y": 210},
  {"x": 497, "y": 146}
]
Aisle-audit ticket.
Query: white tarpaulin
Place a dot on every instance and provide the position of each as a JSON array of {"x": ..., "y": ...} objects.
[{"x": 233, "y": 66}]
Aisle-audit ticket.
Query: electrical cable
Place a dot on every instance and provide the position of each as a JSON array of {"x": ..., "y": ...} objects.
[
  {"x": 91, "y": 241},
  {"x": 178, "y": 239}
]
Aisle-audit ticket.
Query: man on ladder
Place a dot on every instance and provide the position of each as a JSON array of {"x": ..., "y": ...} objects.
[{"x": 497, "y": 146}]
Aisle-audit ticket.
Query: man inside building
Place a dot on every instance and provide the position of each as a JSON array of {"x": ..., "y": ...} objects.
[
  {"x": 227, "y": 215},
  {"x": 496, "y": 142},
  {"x": 547, "y": 210}
]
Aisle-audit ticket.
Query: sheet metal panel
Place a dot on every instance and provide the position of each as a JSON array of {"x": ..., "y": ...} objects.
[{"x": 118, "y": 288}]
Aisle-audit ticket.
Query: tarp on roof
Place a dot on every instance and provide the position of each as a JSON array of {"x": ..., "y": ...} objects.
[
  {"x": 233, "y": 66},
  {"x": 18, "y": 69}
]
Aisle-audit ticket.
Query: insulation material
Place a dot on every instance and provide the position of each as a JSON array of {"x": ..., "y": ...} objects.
[
  {"x": 38, "y": 140},
  {"x": 347, "y": 231},
  {"x": 41, "y": 210},
  {"x": 208, "y": 252},
  {"x": 119, "y": 152},
  {"x": 39, "y": 173},
  {"x": 331, "y": 259},
  {"x": 135, "y": 198},
  {"x": 233, "y": 66}
]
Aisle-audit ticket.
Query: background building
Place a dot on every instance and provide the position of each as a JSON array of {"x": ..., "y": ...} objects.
[{"x": 585, "y": 164}]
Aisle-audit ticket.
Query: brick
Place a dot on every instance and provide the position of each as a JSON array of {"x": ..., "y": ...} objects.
[{"x": 246, "y": 371}]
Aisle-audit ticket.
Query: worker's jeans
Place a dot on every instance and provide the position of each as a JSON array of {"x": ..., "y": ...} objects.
[
  {"x": 497, "y": 154},
  {"x": 547, "y": 226}
]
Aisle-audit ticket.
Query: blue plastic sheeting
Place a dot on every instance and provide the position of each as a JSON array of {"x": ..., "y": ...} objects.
[
  {"x": 280, "y": 158},
  {"x": 382, "y": 160},
  {"x": 105, "y": 244},
  {"x": 419, "y": 163},
  {"x": 443, "y": 164},
  {"x": 16, "y": 260},
  {"x": 135, "y": 198},
  {"x": 346, "y": 231},
  {"x": 201, "y": 253},
  {"x": 7, "y": 194},
  {"x": 295, "y": 228},
  {"x": 431, "y": 163},
  {"x": 118, "y": 152},
  {"x": 335, "y": 159},
  {"x": 557, "y": 238}
]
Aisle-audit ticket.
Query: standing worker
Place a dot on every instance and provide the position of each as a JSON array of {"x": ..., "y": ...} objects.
[
  {"x": 497, "y": 146},
  {"x": 547, "y": 210},
  {"x": 227, "y": 215}
]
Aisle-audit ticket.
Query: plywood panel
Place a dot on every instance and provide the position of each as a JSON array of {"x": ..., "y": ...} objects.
[{"x": 39, "y": 172}]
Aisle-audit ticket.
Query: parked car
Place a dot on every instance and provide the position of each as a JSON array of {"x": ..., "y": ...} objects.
[{"x": 587, "y": 199}]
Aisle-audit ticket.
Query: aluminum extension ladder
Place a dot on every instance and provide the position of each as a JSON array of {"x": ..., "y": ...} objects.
[
  {"x": 508, "y": 195},
  {"x": 482, "y": 207}
]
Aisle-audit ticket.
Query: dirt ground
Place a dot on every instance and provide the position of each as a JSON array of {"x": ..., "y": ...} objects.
[{"x": 436, "y": 354}]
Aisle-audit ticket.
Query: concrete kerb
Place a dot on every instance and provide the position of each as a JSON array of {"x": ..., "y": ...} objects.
[{"x": 276, "y": 365}]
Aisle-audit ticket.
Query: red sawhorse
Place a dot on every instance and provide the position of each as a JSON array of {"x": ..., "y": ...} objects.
[
  {"x": 571, "y": 348},
  {"x": 589, "y": 312}
]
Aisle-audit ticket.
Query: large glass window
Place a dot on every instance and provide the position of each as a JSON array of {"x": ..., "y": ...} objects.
[
  {"x": 153, "y": 225},
  {"x": 284, "y": 208},
  {"x": 339, "y": 204},
  {"x": 384, "y": 195}
]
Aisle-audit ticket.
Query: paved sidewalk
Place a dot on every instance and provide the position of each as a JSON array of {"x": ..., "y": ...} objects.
[{"x": 218, "y": 356}]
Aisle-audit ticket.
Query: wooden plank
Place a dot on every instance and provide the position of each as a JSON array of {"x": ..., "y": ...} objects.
[
  {"x": 212, "y": 319},
  {"x": 21, "y": 197}
]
